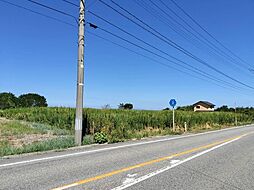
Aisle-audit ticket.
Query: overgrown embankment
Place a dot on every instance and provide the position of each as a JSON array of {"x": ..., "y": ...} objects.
[{"x": 18, "y": 137}]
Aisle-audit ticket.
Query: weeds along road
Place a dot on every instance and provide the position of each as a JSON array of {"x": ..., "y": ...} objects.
[{"x": 213, "y": 160}]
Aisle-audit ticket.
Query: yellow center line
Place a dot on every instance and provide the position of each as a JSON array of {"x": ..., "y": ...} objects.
[{"x": 98, "y": 177}]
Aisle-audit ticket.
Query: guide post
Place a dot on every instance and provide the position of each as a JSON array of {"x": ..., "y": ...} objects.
[{"x": 172, "y": 103}]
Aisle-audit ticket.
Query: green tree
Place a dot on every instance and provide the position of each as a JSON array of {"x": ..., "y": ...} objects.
[
  {"x": 223, "y": 108},
  {"x": 121, "y": 106},
  {"x": 128, "y": 106},
  {"x": 7, "y": 100},
  {"x": 185, "y": 108},
  {"x": 32, "y": 100}
]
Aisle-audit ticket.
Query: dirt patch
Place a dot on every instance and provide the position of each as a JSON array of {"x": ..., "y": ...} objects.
[
  {"x": 4, "y": 120},
  {"x": 27, "y": 139}
]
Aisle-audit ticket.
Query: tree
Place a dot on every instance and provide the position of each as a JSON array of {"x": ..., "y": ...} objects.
[
  {"x": 7, "y": 100},
  {"x": 223, "y": 108},
  {"x": 32, "y": 100},
  {"x": 121, "y": 106},
  {"x": 127, "y": 106},
  {"x": 185, "y": 108},
  {"x": 106, "y": 107}
]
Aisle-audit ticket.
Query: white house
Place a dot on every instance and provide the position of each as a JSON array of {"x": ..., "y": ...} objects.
[{"x": 203, "y": 106}]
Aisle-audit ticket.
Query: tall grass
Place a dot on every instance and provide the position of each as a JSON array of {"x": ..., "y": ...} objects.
[{"x": 125, "y": 124}]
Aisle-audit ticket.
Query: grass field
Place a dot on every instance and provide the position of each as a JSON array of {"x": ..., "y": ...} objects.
[{"x": 50, "y": 128}]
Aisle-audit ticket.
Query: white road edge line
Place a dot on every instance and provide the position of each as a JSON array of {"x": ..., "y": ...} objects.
[
  {"x": 113, "y": 148},
  {"x": 140, "y": 179}
]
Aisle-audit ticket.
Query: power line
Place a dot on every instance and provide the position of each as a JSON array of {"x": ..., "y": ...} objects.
[
  {"x": 53, "y": 9},
  {"x": 143, "y": 55},
  {"x": 170, "y": 42},
  {"x": 38, "y": 13},
  {"x": 173, "y": 44},
  {"x": 161, "y": 63},
  {"x": 208, "y": 33},
  {"x": 75, "y": 5},
  {"x": 150, "y": 10},
  {"x": 149, "y": 51},
  {"x": 152, "y": 46},
  {"x": 203, "y": 39},
  {"x": 69, "y": 2},
  {"x": 207, "y": 42},
  {"x": 92, "y": 3}
]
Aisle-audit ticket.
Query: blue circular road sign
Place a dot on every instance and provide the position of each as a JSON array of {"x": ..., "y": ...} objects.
[{"x": 172, "y": 102}]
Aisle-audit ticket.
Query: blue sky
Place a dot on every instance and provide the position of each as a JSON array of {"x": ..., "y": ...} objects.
[{"x": 39, "y": 55}]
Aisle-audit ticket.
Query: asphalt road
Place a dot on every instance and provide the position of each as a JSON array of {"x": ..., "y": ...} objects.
[{"x": 214, "y": 160}]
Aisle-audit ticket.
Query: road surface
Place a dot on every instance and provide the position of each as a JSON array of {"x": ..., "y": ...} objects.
[{"x": 212, "y": 160}]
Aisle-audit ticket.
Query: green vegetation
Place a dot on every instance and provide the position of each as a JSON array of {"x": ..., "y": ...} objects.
[
  {"x": 88, "y": 139},
  {"x": 9, "y": 100},
  {"x": 119, "y": 125},
  {"x": 100, "y": 138},
  {"x": 185, "y": 108},
  {"x": 56, "y": 143},
  {"x": 21, "y": 137},
  {"x": 32, "y": 100},
  {"x": 126, "y": 106},
  {"x": 33, "y": 129}
]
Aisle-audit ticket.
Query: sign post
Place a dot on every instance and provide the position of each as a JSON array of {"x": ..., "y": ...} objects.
[{"x": 172, "y": 103}]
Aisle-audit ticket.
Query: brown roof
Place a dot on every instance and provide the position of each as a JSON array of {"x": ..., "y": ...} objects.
[{"x": 204, "y": 103}]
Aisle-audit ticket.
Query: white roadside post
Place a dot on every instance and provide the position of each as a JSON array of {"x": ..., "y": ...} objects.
[{"x": 185, "y": 127}]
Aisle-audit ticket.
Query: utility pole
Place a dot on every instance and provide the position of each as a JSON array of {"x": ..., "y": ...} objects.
[{"x": 80, "y": 79}]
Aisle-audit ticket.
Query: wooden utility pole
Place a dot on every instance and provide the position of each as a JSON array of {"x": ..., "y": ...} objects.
[{"x": 80, "y": 79}]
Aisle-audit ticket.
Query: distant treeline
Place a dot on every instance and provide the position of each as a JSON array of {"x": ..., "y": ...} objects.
[
  {"x": 223, "y": 108},
  {"x": 9, "y": 100}
]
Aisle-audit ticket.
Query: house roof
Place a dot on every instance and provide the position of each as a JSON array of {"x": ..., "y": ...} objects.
[{"x": 204, "y": 103}]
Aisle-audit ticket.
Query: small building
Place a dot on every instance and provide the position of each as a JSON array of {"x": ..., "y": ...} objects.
[{"x": 203, "y": 106}]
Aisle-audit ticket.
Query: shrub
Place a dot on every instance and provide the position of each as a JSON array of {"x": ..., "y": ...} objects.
[
  {"x": 88, "y": 139},
  {"x": 100, "y": 137}
]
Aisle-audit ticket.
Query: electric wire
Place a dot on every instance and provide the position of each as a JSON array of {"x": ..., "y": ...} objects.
[
  {"x": 53, "y": 9},
  {"x": 152, "y": 11},
  {"x": 75, "y": 5},
  {"x": 152, "y": 46},
  {"x": 160, "y": 56},
  {"x": 38, "y": 13},
  {"x": 201, "y": 37},
  {"x": 170, "y": 42},
  {"x": 208, "y": 33},
  {"x": 163, "y": 64},
  {"x": 173, "y": 44},
  {"x": 71, "y": 3},
  {"x": 91, "y": 4},
  {"x": 207, "y": 42},
  {"x": 47, "y": 15}
]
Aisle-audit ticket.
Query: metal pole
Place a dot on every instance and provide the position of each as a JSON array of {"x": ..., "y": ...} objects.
[
  {"x": 80, "y": 79},
  {"x": 173, "y": 119}
]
